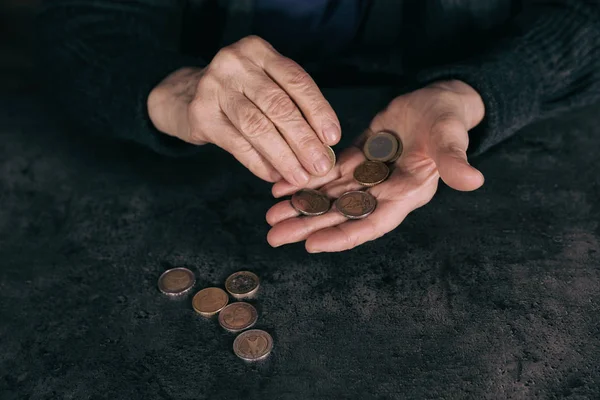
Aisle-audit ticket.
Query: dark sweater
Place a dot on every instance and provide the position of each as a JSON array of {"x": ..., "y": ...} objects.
[{"x": 101, "y": 58}]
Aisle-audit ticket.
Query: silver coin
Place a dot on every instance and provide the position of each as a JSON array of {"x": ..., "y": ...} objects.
[
  {"x": 176, "y": 281},
  {"x": 253, "y": 345}
]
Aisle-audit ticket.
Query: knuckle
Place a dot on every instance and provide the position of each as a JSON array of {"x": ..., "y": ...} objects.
[
  {"x": 254, "y": 124},
  {"x": 297, "y": 76},
  {"x": 309, "y": 142},
  {"x": 226, "y": 56},
  {"x": 279, "y": 105},
  {"x": 252, "y": 41}
]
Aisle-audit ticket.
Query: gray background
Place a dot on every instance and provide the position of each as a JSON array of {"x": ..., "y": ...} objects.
[{"x": 486, "y": 295}]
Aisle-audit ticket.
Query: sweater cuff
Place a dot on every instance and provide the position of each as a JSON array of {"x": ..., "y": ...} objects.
[{"x": 510, "y": 92}]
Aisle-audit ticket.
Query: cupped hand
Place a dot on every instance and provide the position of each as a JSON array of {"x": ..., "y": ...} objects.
[
  {"x": 432, "y": 124},
  {"x": 258, "y": 105}
]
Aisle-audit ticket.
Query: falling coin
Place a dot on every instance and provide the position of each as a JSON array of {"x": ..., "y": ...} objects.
[
  {"x": 238, "y": 316},
  {"x": 382, "y": 146},
  {"x": 242, "y": 284},
  {"x": 176, "y": 281},
  {"x": 371, "y": 173},
  {"x": 253, "y": 345},
  {"x": 356, "y": 205},
  {"x": 209, "y": 301},
  {"x": 310, "y": 202}
]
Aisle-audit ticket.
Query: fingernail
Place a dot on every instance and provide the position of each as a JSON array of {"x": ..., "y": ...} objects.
[
  {"x": 301, "y": 177},
  {"x": 323, "y": 165},
  {"x": 331, "y": 132}
]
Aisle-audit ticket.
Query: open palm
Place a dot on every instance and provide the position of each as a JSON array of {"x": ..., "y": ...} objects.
[{"x": 432, "y": 124}]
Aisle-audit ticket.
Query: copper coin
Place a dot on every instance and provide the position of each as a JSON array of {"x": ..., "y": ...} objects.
[
  {"x": 209, "y": 301},
  {"x": 382, "y": 146},
  {"x": 356, "y": 205},
  {"x": 253, "y": 345},
  {"x": 238, "y": 316},
  {"x": 176, "y": 281},
  {"x": 370, "y": 173},
  {"x": 242, "y": 284},
  {"x": 310, "y": 202}
]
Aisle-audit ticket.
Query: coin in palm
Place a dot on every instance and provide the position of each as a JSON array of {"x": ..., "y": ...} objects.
[
  {"x": 382, "y": 146},
  {"x": 310, "y": 202},
  {"x": 356, "y": 204},
  {"x": 371, "y": 173}
]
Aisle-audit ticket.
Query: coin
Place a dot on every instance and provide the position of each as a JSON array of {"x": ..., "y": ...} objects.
[
  {"x": 310, "y": 202},
  {"x": 398, "y": 153},
  {"x": 331, "y": 155},
  {"x": 253, "y": 345},
  {"x": 238, "y": 316},
  {"x": 370, "y": 173},
  {"x": 209, "y": 301},
  {"x": 382, "y": 146},
  {"x": 176, "y": 281},
  {"x": 242, "y": 284},
  {"x": 356, "y": 205}
]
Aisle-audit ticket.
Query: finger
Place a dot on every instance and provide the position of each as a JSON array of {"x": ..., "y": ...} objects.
[
  {"x": 348, "y": 160},
  {"x": 297, "y": 229},
  {"x": 277, "y": 105},
  {"x": 260, "y": 132},
  {"x": 305, "y": 93},
  {"x": 280, "y": 212},
  {"x": 449, "y": 141},
  {"x": 350, "y": 234},
  {"x": 230, "y": 140}
]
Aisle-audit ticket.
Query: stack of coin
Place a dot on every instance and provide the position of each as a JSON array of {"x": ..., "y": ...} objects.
[
  {"x": 380, "y": 148},
  {"x": 252, "y": 345}
]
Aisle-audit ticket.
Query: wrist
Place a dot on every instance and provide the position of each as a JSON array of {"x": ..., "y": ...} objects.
[{"x": 168, "y": 101}]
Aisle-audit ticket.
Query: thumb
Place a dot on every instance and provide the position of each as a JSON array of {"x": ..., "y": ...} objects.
[{"x": 449, "y": 141}]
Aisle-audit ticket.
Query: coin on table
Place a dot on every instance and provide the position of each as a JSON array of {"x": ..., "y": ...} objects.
[
  {"x": 356, "y": 204},
  {"x": 382, "y": 146},
  {"x": 331, "y": 155},
  {"x": 310, "y": 202},
  {"x": 176, "y": 281},
  {"x": 253, "y": 345},
  {"x": 242, "y": 284},
  {"x": 238, "y": 316},
  {"x": 209, "y": 301},
  {"x": 370, "y": 173}
]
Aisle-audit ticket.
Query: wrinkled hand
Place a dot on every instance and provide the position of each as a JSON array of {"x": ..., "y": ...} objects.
[
  {"x": 432, "y": 124},
  {"x": 254, "y": 103}
]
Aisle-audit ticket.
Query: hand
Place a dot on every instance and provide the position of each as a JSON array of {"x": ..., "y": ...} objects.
[
  {"x": 254, "y": 103},
  {"x": 432, "y": 124}
]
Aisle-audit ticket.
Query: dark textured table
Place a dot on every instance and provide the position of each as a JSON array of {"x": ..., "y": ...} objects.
[{"x": 487, "y": 295}]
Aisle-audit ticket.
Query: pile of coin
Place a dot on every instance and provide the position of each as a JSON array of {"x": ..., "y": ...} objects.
[
  {"x": 379, "y": 149},
  {"x": 251, "y": 345}
]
